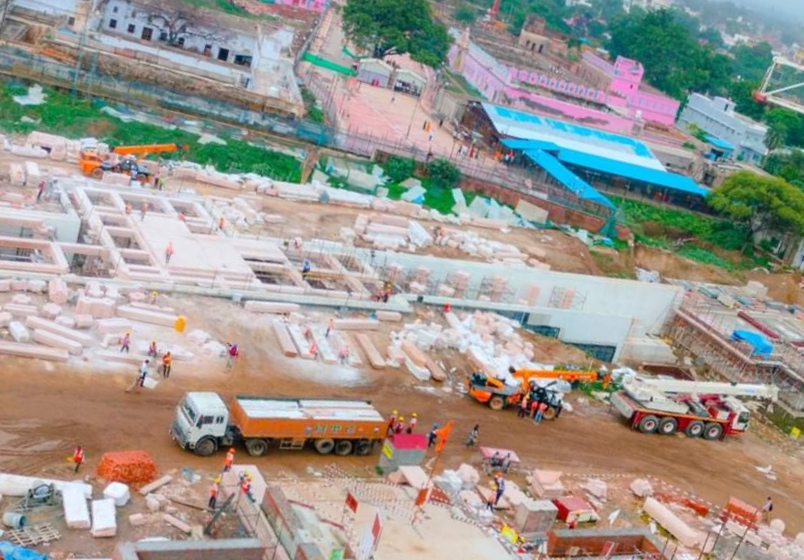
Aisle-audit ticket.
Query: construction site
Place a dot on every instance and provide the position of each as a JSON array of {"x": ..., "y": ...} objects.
[{"x": 371, "y": 338}]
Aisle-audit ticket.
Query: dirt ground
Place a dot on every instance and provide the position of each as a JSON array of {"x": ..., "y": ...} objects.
[
  {"x": 48, "y": 408},
  {"x": 673, "y": 266}
]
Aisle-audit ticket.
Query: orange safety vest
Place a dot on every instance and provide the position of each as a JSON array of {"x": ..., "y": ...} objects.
[
  {"x": 167, "y": 359},
  {"x": 78, "y": 456},
  {"x": 213, "y": 490},
  {"x": 229, "y": 459}
]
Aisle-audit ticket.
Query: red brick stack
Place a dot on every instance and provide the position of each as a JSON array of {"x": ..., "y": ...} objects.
[{"x": 127, "y": 466}]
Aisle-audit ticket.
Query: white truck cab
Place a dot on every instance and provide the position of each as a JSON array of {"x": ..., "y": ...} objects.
[{"x": 200, "y": 416}]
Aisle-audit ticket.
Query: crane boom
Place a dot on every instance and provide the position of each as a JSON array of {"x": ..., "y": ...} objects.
[{"x": 677, "y": 387}]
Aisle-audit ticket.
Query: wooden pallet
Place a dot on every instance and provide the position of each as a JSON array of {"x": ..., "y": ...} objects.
[{"x": 33, "y": 535}]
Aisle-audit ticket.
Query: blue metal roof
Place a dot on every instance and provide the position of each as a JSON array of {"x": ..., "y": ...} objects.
[
  {"x": 516, "y": 144},
  {"x": 718, "y": 143},
  {"x": 572, "y": 182},
  {"x": 634, "y": 172}
]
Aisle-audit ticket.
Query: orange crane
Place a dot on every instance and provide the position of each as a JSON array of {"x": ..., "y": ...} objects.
[
  {"x": 94, "y": 165},
  {"x": 580, "y": 375}
]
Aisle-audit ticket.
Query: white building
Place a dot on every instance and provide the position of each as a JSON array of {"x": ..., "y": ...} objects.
[
  {"x": 717, "y": 118},
  {"x": 647, "y": 4}
]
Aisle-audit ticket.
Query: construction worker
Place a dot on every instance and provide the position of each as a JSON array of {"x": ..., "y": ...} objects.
[
  {"x": 231, "y": 354},
  {"x": 245, "y": 486},
  {"x": 143, "y": 211},
  {"x": 168, "y": 252},
  {"x": 606, "y": 381},
  {"x": 39, "y": 190},
  {"x": 306, "y": 266},
  {"x": 154, "y": 296},
  {"x": 78, "y": 458},
  {"x": 129, "y": 208},
  {"x": 506, "y": 463},
  {"x": 414, "y": 419},
  {"x": 221, "y": 223},
  {"x": 392, "y": 422},
  {"x": 229, "y": 460},
  {"x": 540, "y": 412},
  {"x": 330, "y": 326},
  {"x": 143, "y": 372},
  {"x": 213, "y": 493},
  {"x": 167, "y": 361},
  {"x": 152, "y": 351},
  {"x": 400, "y": 425},
  {"x": 125, "y": 343},
  {"x": 344, "y": 355},
  {"x": 500, "y": 482},
  {"x": 767, "y": 509},
  {"x": 523, "y": 406},
  {"x": 471, "y": 439},
  {"x": 432, "y": 437}
]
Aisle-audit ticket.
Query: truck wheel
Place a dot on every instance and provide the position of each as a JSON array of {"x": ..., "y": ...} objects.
[
  {"x": 713, "y": 431},
  {"x": 205, "y": 447},
  {"x": 695, "y": 429},
  {"x": 668, "y": 426},
  {"x": 324, "y": 446},
  {"x": 550, "y": 414},
  {"x": 343, "y": 447},
  {"x": 142, "y": 177},
  {"x": 496, "y": 403},
  {"x": 256, "y": 447},
  {"x": 363, "y": 447},
  {"x": 97, "y": 173},
  {"x": 649, "y": 424}
]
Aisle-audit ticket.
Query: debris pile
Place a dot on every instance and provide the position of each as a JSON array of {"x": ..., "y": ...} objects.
[{"x": 127, "y": 466}]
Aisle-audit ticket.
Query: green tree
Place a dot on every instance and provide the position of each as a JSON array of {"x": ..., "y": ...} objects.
[
  {"x": 608, "y": 9},
  {"x": 742, "y": 93},
  {"x": 398, "y": 168},
  {"x": 788, "y": 166},
  {"x": 443, "y": 173},
  {"x": 465, "y": 13},
  {"x": 389, "y": 27},
  {"x": 751, "y": 63},
  {"x": 761, "y": 204},
  {"x": 674, "y": 61}
]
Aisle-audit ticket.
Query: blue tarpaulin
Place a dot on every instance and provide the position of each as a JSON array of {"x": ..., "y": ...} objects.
[
  {"x": 762, "y": 346},
  {"x": 10, "y": 551}
]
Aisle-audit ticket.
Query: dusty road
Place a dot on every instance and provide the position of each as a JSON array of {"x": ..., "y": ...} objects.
[{"x": 59, "y": 407}]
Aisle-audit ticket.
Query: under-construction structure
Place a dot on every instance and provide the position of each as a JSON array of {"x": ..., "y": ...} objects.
[
  {"x": 783, "y": 84},
  {"x": 703, "y": 327}
]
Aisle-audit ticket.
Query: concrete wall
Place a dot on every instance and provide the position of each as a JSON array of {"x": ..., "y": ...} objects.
[
  {"x": 314, "y": 5},
  {"x": 66, "y": 225},
  {"x": 593, "y": 542},
  {"x": 225, "y": 549}
]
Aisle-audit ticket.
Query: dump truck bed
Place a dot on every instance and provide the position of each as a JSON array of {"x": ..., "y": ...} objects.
[{"x": 258, "y": 417}]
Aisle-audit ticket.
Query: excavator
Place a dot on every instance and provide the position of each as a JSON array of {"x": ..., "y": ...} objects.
[{"x": 122, "y": 159}]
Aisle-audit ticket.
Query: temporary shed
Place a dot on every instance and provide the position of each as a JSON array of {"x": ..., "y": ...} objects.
[
  {"x": 409, "y": 81},
  {"x": 375, "y": 72}
]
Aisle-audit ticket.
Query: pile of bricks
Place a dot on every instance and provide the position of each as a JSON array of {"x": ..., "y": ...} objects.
[{"x": 127, "y": 466}]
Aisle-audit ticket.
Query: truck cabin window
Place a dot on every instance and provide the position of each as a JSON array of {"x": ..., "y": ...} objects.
[
  {"x": 188, "y": 411},
  {"x": 204, "y": 420}
]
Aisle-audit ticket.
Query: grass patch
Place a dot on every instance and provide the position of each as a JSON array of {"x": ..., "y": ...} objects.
[
  {"x": 311, "y": 107},
  {"x": 458, "y": 84},
  {"x": 435, "y": 198},
  {"x": 703, "y": 256},
  {"x": 654, "y": 221},
  {"x": 784, "y": 421},
  {"x": 78, "y": 117}
]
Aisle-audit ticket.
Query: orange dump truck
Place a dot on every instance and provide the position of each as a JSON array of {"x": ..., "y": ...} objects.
[{"x": 204, "y": 423}]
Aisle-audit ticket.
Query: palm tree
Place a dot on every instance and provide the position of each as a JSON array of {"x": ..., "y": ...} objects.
[{"x": 775, "y": 138}]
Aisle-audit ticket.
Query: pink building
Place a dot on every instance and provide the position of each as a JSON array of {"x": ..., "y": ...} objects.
[
  {"x": 619, "y": 89},
  {"x": 626, "y": 84}
]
